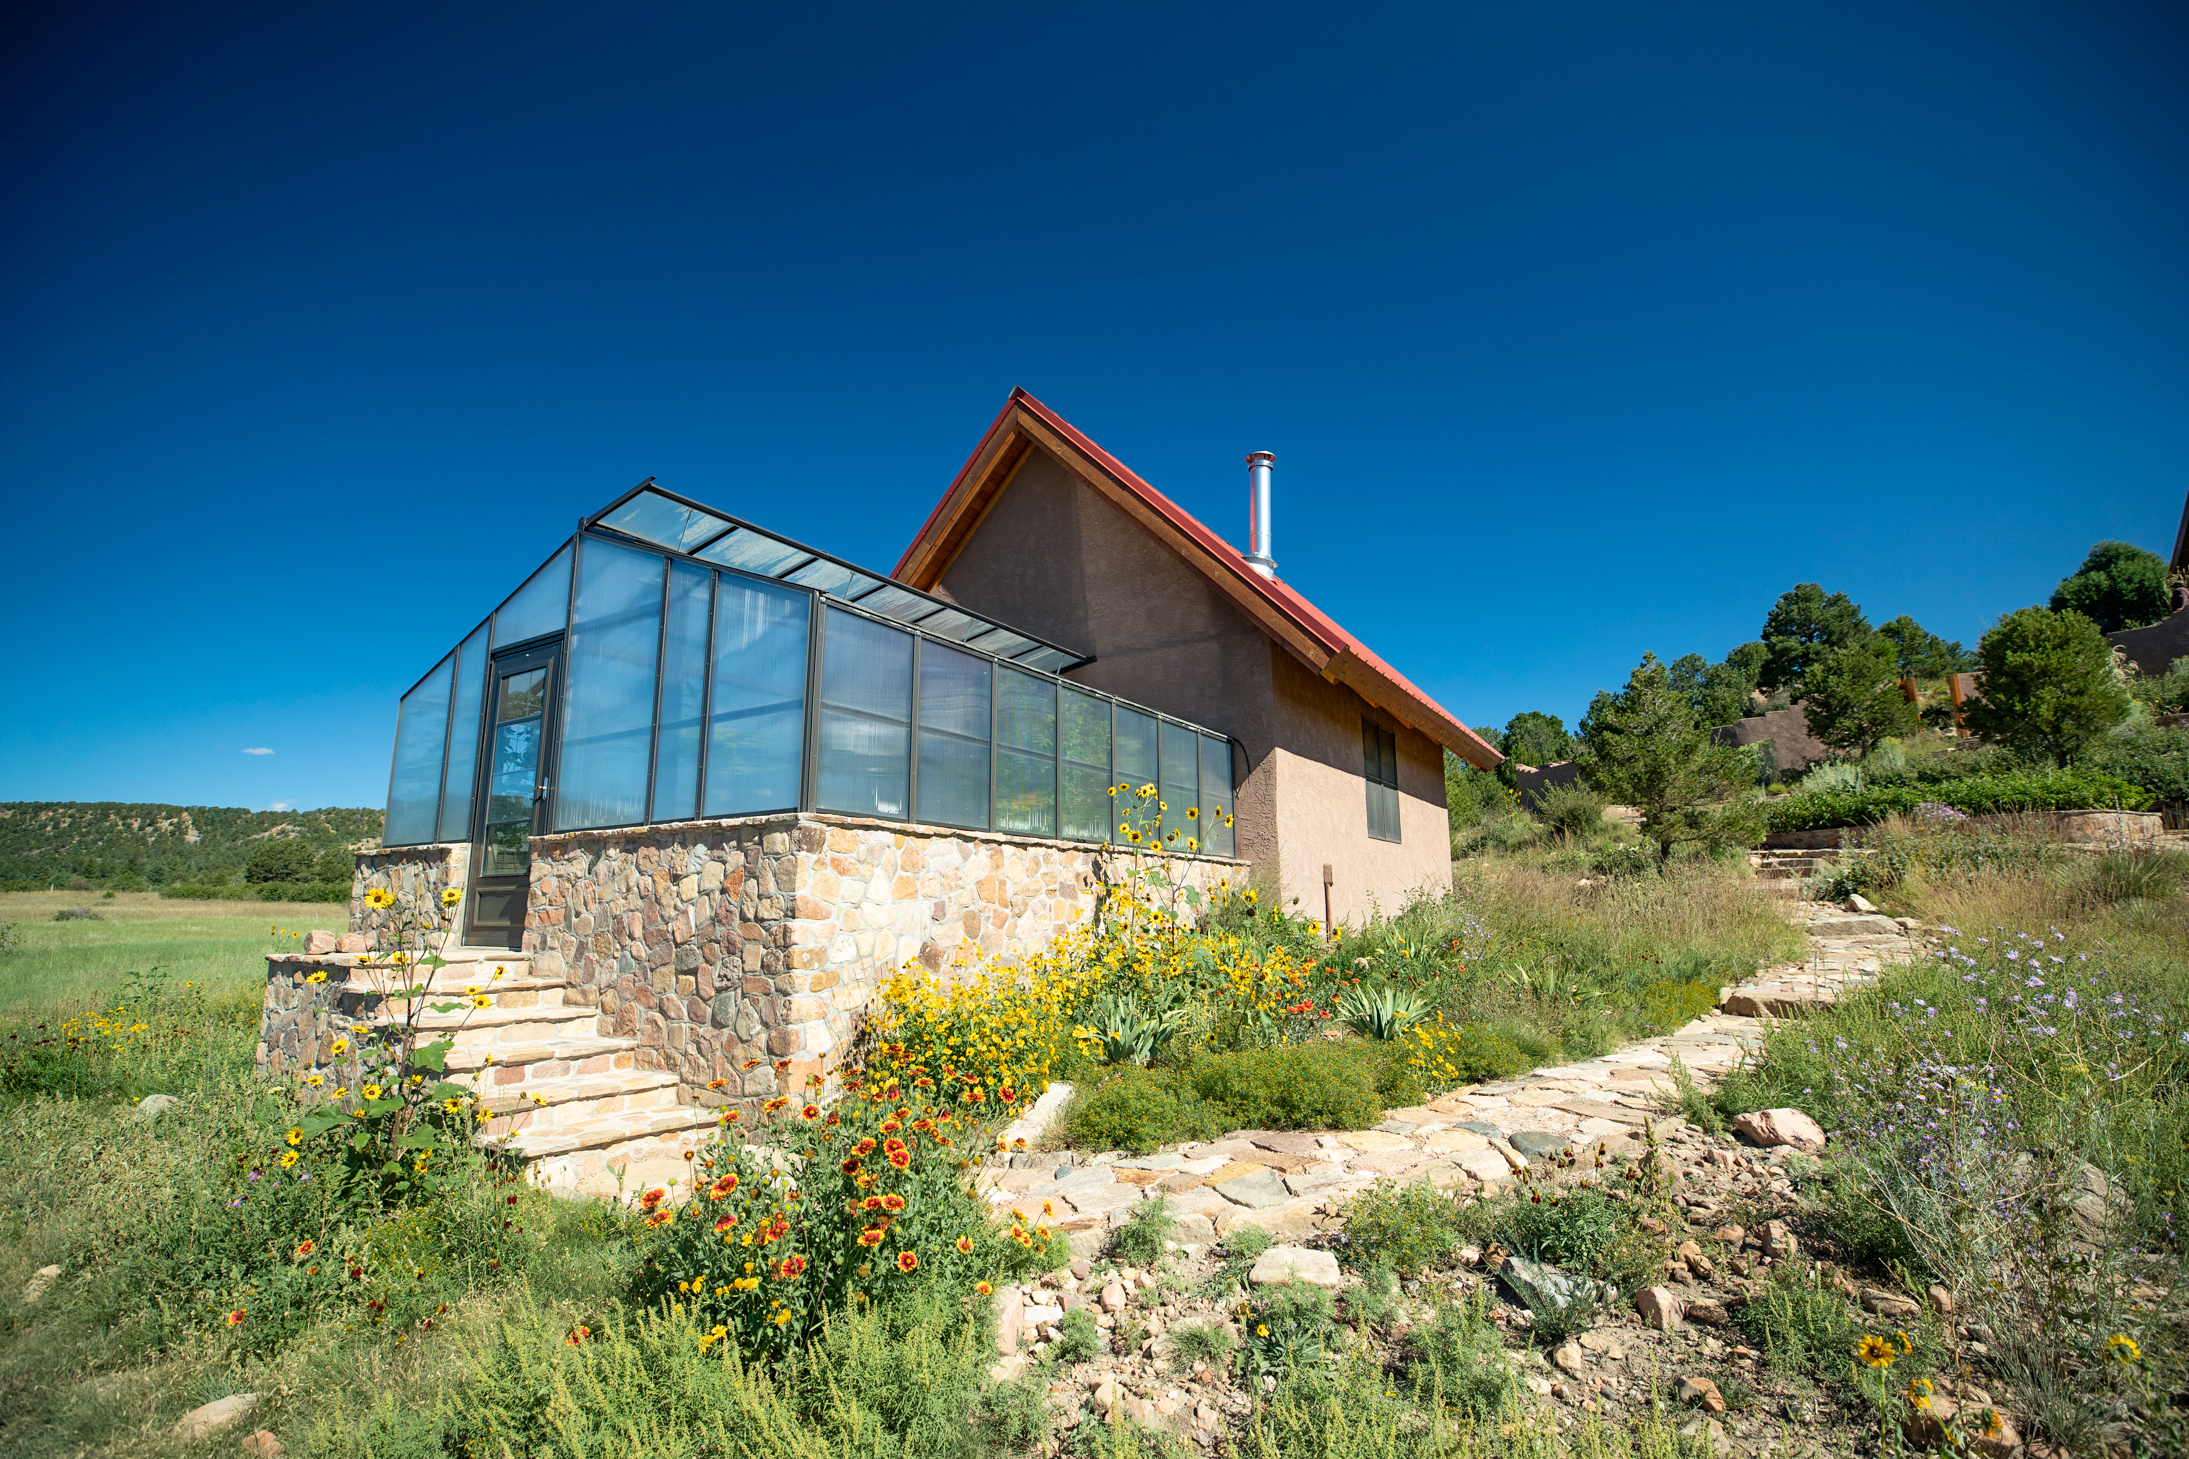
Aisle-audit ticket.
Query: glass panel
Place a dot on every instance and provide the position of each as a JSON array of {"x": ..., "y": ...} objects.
[
  {"x": 1087, "y": 808},
  {"x": 1133, "y": 768},
  {"x": 1379, "y": 753},
  {"x": 1001, "y": 642},
  {"x": 608, "y": 704},
  {"x": 954, "y": 728},
  {"x": 513, "y": 772},
  {"x": 1181, "y": 785},
  {"x": 754, "y": 552},
  {"x": 463, "y": 744},
  {"x": 902, "y": 604},
  {"x": 683, "y": 682},
  {"x": 833, "y": 578},
  {"x": 866, "y": 717},
  {"x": 658, "y": 519},
  {"x": 539, "y": 607},
  {"x": 1026, "y": 744},
  {"x": 953, "y": 624},
  {"x": 1048, "y": 660},
  {"x": 421, "y": 733},
  {"x": 756, "y": 745},
  {"x": 1218, "y": 838}
]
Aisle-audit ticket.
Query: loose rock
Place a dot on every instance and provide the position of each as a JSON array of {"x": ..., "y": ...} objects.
[
  {"x": 1771, "y": 1127},
  {"x": 1294, "y": 1263},
  {"x": 209, "y": 1419}
]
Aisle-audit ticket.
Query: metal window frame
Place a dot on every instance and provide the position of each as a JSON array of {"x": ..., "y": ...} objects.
[
  {"x": 1373, "y": 778},
  {"x": 820, "y": 603}
]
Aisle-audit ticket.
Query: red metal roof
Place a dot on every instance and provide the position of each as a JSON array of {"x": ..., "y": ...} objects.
[{"x": 1328, "y": 648}]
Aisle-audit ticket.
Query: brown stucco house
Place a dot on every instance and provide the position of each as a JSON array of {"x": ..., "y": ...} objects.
[{"x": 1338, "y": 759}]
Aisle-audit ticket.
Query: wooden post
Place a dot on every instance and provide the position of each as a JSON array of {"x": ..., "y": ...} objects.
[{"x": 1330, "y": 928}]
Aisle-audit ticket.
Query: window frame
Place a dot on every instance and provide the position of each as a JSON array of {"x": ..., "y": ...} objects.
[{"x": 1376, "y": 739}]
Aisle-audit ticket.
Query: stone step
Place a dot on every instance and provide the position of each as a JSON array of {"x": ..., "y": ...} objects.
[
  {"x": 570, "y": 1102},
  {"x": 584, "y": 1159},
  {"x": 550, "y": 1059},
  {"x": 498, "y": 1027}
]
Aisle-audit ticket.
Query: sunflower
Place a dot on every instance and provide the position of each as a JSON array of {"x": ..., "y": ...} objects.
[
  {"x": 1876, "y": 1352},
  {"x": 380, "y": 899},
  {"x": 370, "y": 1091},
  {"x": 318, "y": 977},
  {"x": 450, "y": 896},
  {"x": 289, "y": 1158},
  {"x": 296, "y": 1137},
  {"x": 341, "y": 1046},
  {"x": 2122, "y": 1348}
]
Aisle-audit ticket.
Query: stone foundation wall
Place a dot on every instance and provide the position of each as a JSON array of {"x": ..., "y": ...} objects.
[
  {"x": 416, "y": 874},
  {"x": 300, "y": 1019},
  {"x": 713, "y": 943}
]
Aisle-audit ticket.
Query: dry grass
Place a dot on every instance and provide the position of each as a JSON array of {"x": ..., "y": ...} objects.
[{"x": 1694, "y": 908}]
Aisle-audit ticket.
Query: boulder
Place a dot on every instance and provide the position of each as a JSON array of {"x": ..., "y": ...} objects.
[
  {"x": 263, "y": 1445},
  {"x": 1569, "y": 1358},
  {"x": 208, "y": 1419},
  {"x": 1771, "y": 1127},
  {"x": 353, "y": 943},
  {"x": 1010, "y": 1311},
  {"x": 1113, "y": 1298},
  {"x": 1538, "y": 1144},
  {"x": 1660, "y": 1307},
  {"x": 1701, "y": 1391},
  {"x": 152, "y": 1106},
  {"x": 319, "y": 944},
  {"x": 1294, "y": 1263},
  {"x": 40, "y": 1281},
  {"x": 1779, "y": 1243}
]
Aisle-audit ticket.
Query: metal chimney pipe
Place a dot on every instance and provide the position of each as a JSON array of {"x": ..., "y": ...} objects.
[{"x": 1258, "y": 558}]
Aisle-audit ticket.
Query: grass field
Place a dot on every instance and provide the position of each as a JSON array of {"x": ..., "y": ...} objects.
[{"x": 220, "y": 945}]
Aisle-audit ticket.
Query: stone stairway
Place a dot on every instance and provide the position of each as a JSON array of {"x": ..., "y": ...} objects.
[
  {"x": 558, "y": 1091},
  {"x": 1780, "y": 873}
]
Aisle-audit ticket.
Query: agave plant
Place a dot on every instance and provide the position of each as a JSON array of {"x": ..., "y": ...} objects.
[
  {"x": 1124, "y": 1030},
  {"x": 1381, "y": 1010}
]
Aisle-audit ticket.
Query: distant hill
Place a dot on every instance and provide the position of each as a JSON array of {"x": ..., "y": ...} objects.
[{"x": 44, "y": 843}]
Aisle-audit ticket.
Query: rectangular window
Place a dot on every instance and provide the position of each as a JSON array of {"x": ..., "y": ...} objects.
[
  {"x": 1217, "y": 835},
  {"x": 756, "y": 736},
  {"x": 463, "y": 738},
  {"x": 1135, "y": 767},
  {"x": 421, "y": 738},
  {"x": 1181, "y": 784},
  {"x": 1380, "y": 751},
  {"x": 608, "y": 705},
  {"x": 683, "y": 687},
  {"x": 866, "y": 717},
  {"x": 955, "y": 726},
  {"x": 1025, "y": 754},
  {"x": 1088, "y": 812}
]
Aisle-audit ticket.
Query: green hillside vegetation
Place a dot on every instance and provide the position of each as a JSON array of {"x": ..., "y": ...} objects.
[{"x": 111, "y": 845}]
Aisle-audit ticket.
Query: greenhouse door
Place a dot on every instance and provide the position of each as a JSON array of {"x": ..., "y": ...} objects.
[{"x": 513, "y": 795}]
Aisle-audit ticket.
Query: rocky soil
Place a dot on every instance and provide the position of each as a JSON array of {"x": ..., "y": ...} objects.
[{"x": 1734, "y": 1217}]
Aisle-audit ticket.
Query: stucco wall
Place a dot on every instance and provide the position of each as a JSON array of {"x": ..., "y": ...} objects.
[
  {"x": 1322, "y": 803},
  {"x": 1056, "y": 558},
  {"x": 2153, "y": 650}
]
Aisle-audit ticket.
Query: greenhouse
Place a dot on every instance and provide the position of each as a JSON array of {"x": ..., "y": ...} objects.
[{"x": 671, "y": 662}]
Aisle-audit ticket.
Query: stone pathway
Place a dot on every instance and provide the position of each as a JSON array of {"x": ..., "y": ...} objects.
[{"x": 1292, "y": 1183}]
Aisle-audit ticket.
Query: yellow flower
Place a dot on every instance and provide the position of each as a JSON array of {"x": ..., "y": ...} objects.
[
  {"x": 1261, "y": 1329},
  {"x": 380, "y": 898},
  {"x": 1876, "y": 1352},
  {"x": 450, "y": 896},
  {"x": 341, "y": 1046},
  {"x": 2121, "y": 1347},
  {"x": 289, "y": 1158},
  {"x": 318, "y": 977},
  {"x": 482, "y": 1001},
  {"x": 370, "y": 1091},
  {"x": 315, "y": 1080},
  {"x": 296, "y": 1137}
]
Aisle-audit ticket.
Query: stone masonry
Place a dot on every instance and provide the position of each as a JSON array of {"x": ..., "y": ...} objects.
[{"x": 715, "y": 943}]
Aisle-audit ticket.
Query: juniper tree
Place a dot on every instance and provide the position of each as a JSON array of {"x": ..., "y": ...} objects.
[
  {"x": 1853, "y": 697},
  {"x": 1644, "y": 747},
  {"x": 2048, "y": 686}
]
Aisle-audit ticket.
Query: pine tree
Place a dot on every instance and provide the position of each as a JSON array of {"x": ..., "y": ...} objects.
[
  {"x": 1853, "y": 698},
  {"x": 1643, "y": 747}
]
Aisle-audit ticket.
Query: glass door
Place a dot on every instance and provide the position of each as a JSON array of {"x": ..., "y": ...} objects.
[{"x": 513, "y": 796}]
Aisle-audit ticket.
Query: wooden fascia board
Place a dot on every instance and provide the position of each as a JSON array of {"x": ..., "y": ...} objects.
[
  {"x": 975, "y": 490},
  {"x": 1264, "y": 614},
  {"x": 1349, "y": 669}
]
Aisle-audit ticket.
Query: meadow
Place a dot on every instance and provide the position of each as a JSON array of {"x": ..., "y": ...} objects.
[{"x": 218, "y": 945}]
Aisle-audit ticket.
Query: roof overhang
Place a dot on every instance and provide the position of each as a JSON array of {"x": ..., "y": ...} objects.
[{"x": 1304, "y": 630}]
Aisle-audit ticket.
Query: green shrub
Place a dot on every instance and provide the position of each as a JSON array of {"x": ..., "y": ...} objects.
[
  {"x": 2156, "y": 760},
  {"x": 1798, "y": 1324},
  {"x": 1447, "y": 1055},
  {"x": 1289, "y": 1327},
  {"x": 1571, "y": 810},
  {"x": 1308, "y": 1087},
  {"x": 1200, "y": 1344},
  {"x": 1078, "y": 1339},
  {"x": 1140, "y": 1240},
  {"x": 1670, "y": 1005},
  {"x": 2048, "y": 790},
  {"x": 1139, "y": 1110},
  {"x": 1460, "y": 1358},
  {"x": 1578, "y": 1229},
  {"x": 1408, "y": 1228}
]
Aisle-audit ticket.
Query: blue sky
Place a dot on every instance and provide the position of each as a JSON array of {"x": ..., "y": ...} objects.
[{"x": 1578, "y": 331}]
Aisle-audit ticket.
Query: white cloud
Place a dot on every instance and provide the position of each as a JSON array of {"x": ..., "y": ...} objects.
[
  {"x": 282, "y": 805},
  {"x": 259, "y": 751}
]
